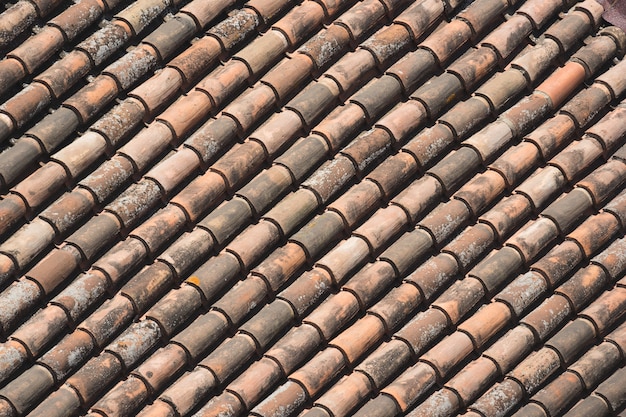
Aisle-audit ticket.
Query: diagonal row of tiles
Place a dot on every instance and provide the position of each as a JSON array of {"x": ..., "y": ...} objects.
[
  {"x": 22, "y": 251},
  {"x": 451, "y": 185}
]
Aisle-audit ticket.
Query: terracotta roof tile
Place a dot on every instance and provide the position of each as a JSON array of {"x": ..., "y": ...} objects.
[{"x": 225, "y": 259}]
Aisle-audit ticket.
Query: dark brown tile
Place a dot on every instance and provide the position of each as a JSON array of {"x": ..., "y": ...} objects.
[
  {"x": 378, "y": 96},
  {"x": 302, "y": 156},
  {"x": 202, "y": 333},
  {"x": 382, "y": 405},
  {"x": 591, "y": 405},
  {"x": 270, "y": 322},
  {"x": 385, "y": 362},
  {"x": 407, "y": 250},
  {"x": 56, "y": 404},
  {"x": 211, "y": 276},
  {"x": 315, "y": 100},
  {"x": 612, "y": 390},
  {"x": 466, "y": 115},
  {"x": 18, "y": 159},
  {"x": 170, "y": 35},
  {"x": 577, "y": 335},
  {"x": 307, "y": 290},
  {"x": 76, "y": 18},
  {"x": 567, "y": 210},
  {"x": 439, "y": 92},
  {"x": 25, "y": 390},
  {"x": 267, "y": 10},
  {"x": 455, "y": 168},
  {"x": 16, "y": 19}
]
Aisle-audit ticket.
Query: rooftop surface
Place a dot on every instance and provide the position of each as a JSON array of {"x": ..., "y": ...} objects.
[{"x": 321, "y": 208}]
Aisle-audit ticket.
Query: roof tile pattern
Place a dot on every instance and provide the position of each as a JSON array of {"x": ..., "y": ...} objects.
[{"x": 317, "y": 208}]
